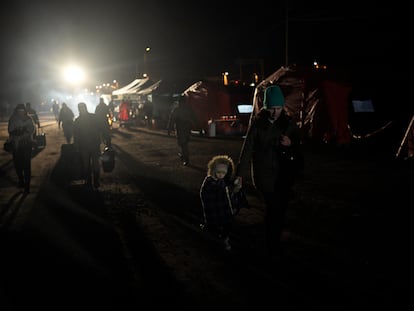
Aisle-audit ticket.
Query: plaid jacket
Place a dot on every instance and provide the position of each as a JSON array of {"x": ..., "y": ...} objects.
[{"x": 216, "y": 201}]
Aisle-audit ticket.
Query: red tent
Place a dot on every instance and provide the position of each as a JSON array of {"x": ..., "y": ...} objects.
[
  {"x": 317, "y": 100},
  {"x": 219, "y": 105}
]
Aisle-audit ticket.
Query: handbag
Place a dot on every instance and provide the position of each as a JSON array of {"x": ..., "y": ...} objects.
[
  {"x": 239, "y": 201},
  {"x": 8, "y": 145},
  {"x": 40, "y": 141},
  {"x": 108, "y": 159}
]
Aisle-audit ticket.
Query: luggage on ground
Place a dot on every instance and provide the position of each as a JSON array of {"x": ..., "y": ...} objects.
[{"x": 40, "y": 139}]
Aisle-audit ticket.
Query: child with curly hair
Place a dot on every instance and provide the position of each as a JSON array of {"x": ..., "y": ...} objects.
[{"x": 218, "y": 195}]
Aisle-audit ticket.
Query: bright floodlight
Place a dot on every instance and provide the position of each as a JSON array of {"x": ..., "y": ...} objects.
[{"x": 74, "y": 74}]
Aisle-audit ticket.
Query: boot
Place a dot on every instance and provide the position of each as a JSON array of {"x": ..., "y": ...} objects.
[
  {"x": 27, "y": 185},
  {"x": 26, "y": 188},
  {"x": 20, "y": 183}
]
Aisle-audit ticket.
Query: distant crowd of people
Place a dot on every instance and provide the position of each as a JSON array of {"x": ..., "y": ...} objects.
[{"x": 87, "y": 132}]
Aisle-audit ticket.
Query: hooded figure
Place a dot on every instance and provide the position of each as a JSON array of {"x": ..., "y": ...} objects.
[{"x": 217, "y": 195}]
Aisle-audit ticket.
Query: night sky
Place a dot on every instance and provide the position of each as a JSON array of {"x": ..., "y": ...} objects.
[{"x": 191, "y": 40}]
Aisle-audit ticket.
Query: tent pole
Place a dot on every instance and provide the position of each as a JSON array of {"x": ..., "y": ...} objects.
[
  {"x": 405, "y": 137},
  {"x": 286, "y": 33}
]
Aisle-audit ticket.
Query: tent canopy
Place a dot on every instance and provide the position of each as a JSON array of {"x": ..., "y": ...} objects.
[
  {"x": 137, "y": 87},
  {"x": 210, "y": 100},
  {"x": 317, "y": 101},
  {"x": 323, "y": 103},
  {"x": 149, "y": 89},
  {"x": 129, "y": 88}
]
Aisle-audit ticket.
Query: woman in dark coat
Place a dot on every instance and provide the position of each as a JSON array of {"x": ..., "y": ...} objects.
[
  {"x": 21, "y": 128},
  {"x": 270, "y": 134}
]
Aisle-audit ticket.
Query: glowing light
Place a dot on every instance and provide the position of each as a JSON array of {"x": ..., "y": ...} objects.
[
  {"x": 225, "y": 78},
  {"x": 245, "y": 108},
  {"x": 74, "y": 74}
]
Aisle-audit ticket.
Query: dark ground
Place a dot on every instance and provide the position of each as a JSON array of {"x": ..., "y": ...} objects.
[{"x": 136, "y": 242}]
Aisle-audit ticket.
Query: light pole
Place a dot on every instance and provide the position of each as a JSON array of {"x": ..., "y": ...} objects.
[
  {"x": 286, "y": 33},
  {"x": 147, "y": 50}
]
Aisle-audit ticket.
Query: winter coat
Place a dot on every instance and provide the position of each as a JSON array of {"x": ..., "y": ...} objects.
[
  {"x": 261, "y": 150},
  {"x": 221, "y": 199},
  {"x": 21, "y": 129},
  {"x": 66, "y": 117},
  {"x": 88, "y": 131},
  {"x": 102, "y": 111},
  {"x": 216, "y": 201},
  {"x": 33, "y": 114},
  {"x": 182, "y": 120}
]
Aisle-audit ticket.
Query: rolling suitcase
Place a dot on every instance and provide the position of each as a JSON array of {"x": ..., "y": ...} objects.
[{"x": 71, "y": 163}]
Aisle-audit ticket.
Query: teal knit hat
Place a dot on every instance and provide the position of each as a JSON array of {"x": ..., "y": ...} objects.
[{"x": 273, "y": 97}]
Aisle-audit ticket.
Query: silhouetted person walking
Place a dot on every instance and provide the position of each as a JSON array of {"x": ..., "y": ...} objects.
[
  {"x": 88, "y": 133},
  {"x": 21, "y": 129},
  {"x": 102, "y": 111},
  {"x": 66, "y": 119},
  {"x": 55, "y": 110},
  {"x": 182, "y": 120}
]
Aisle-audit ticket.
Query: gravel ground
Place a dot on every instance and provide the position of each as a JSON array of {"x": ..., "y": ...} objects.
[{"x": 345, "y": 243}]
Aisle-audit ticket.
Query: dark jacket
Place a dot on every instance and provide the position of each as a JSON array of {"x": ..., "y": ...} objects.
[
  {"x": 33, "y": 114},
  {"x": 216, "y": 201},
  {"x": 102, "y": 110},
  {"x": 21, "y": 128},
  {"x": 182, "y": 120},
  {"x": 220, "y": 200},
  {"x": 261, "y": 150},
  {"x": 66, "y": 116},
  {"x": 88, "y": 132}
]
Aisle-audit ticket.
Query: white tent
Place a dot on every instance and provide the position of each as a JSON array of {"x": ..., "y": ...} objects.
[
  {"x": 149, "y": 89},
  {"x": 131, "y": 88},
  {"x": 138, "y": 87}
]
